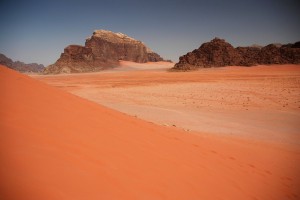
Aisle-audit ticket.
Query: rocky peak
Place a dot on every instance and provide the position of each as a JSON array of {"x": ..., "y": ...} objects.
[
  {"x": 218, "y": 43},
  {"x": 112, "y": 37},
  {"x": 107, "y": 45},
  {"x": 218, "y": 53},
  {"x": 218, "y": 40},
  {"x": 103, "y": 48}
]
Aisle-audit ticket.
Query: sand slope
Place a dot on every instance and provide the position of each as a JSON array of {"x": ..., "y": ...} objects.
[{"x": 58, "y": 146}]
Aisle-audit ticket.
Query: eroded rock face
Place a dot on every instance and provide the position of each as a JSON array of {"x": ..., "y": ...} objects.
[
  {"x": 21, "y": 66},
  {"x": 107, "y": 45},
  {"x": 218, "y": 53},
  {"x": 154, "y": 57},
  {"x": 77, "y": 59},
  {"x": 249, "y": 55},
  {"x": 102, "y": 50},
  {"x": 5, "y": 61}
]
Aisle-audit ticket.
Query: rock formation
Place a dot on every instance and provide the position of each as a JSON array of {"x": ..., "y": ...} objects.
[
  {"x": 20, "y": 66},
  {"x": 102, "y": 50},
  {"x": 77, "y": 58},
  {"x": 219, "y": 53},
  {"x": 216, "y": 53},
  {"x": 249, "y": 55}
]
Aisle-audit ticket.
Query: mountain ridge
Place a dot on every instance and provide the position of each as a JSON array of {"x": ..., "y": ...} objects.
[
  {"x": 20, "y": 66},
  {"x": 219, "y": 53}
]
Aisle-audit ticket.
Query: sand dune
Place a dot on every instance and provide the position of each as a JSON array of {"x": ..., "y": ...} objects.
[{"x": 55, "y": 145}]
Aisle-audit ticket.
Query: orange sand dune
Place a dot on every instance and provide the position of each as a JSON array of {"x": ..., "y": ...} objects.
[{"x": 58, "y": 146}]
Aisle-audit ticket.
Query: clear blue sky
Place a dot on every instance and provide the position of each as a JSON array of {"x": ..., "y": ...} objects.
[{"x": 38, "y": 30}]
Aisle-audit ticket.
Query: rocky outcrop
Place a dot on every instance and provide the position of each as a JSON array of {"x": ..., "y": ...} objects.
[
  {"x": 249, "y": 55},
  {"x": 219, "y": 53},
  {"x": 20, "y": 66},
  {"x": 6, "y": 61},
  {"x": 154, "y": 57},
  {"x": 216, "y": 53},
  {"x": 110, "y": 46},
  {"x": 102, "y": 50},
  {"x": 76, "y": 58}
]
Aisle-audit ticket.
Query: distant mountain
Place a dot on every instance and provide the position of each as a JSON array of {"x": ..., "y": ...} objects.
[
  {"x": 102, "y": 50},
  {"x": 219, "y": 53},
  {"x": 20, "y": 66}
]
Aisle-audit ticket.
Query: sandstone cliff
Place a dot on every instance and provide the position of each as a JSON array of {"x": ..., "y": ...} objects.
[
  {"x": 102, "y": 50},
  {"x": 218, "y": 53},
  {"x": 76, "y": 58},
  {"x": 20, "y": 66}
]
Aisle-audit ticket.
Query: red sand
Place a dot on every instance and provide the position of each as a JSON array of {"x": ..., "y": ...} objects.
[{"x": 55, "y": 145}]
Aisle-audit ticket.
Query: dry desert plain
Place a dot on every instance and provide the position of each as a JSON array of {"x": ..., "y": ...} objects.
[
  {"x": 261, "y": 102},
  {"x": 219, "y": 133}
]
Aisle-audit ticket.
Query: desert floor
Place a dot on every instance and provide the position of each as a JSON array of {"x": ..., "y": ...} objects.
[
  {"x": 225, "y": 133},
  {"x": 261, "y": 102}
]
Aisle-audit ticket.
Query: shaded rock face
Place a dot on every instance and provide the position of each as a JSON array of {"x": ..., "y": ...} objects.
[
  {"x": 20, "y": 66},
  {"x": 219, "y": 53},
  {"x": 6, "y": 61},
  {"x": 76, "y": 59},
  {"x": 154, "y": 57},
  {"x": 102, "y": 50},
  {"x": 249, "y": 55},
  {"x": 216, "y": 53}
]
